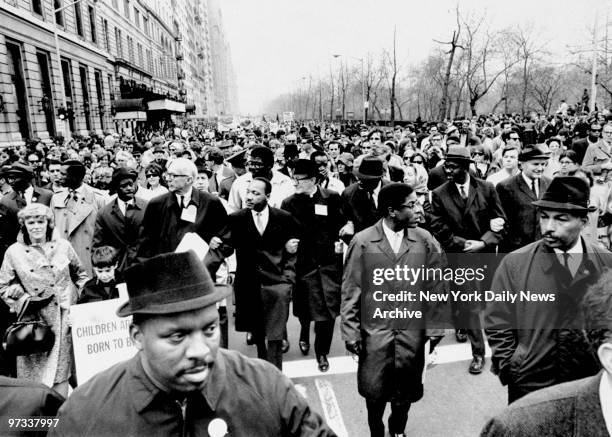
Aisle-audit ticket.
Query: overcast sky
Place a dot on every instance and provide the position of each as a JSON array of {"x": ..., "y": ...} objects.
[{"x": 277, "y": 42}]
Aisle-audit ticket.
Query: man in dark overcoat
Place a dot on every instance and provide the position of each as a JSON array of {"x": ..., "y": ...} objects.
[
  {"x": 467, "y": 219},
  {"x": 184, "y": 209},
  {"x": 391, "y": 350},
  {"x": 577, "y": 408},
  {"x": 316, "y": 294},
  {"x": 119, "y": 224},
  {"x": 516, "y": 195},
  {"x": 265, "y": 241},
  {"x": 537, "y": 344}
]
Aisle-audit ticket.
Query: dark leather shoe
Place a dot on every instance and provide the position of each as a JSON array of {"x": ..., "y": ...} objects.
[
  {"x": 323, "y": 363},
  {"x": 461, "y": 336},
  {"x": 249, "y": 339},
  {"x": 304, "y": 347},
  {"x": 286, "y": 346},
  {"x": 476, "y": 365}
]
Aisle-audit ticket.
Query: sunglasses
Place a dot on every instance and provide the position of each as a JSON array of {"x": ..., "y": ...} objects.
[
  {"x": 478, "y": 154},
  {"x": 417, "y": 161}
]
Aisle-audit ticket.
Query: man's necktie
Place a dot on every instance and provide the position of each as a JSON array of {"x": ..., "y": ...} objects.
[
  {"x": 182, "y": 201},
  {"x": 462, "y": 192},
  {"x": 259, "y": 223},
  {"x": 21, "y": 202},
  {"x": 533, "y": 187},
  {"x": 566, "y": 262}
]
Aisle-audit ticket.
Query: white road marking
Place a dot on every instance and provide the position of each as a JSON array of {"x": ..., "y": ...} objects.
[
  {"x": 345, "y": 364},
  {"x": 331, "y": 410}
]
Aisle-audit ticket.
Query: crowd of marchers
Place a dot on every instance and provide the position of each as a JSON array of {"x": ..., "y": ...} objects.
[{"x": 293, "y": 216}]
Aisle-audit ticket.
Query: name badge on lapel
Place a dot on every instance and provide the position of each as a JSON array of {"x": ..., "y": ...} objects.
[
  {"x": 189, "y": 214},
  {"x": 320, "y": 209}
]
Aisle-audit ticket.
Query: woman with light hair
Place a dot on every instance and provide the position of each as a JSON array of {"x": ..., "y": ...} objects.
[{"x": 41, "y": 266}]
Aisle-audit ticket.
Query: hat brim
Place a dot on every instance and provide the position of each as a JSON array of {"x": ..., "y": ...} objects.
[
  {"x": 360, "y": 175},
  {"x": 220, "y": 293},
  {"x": 458, "y": 158},
  {"x": 560, "y": 206}
]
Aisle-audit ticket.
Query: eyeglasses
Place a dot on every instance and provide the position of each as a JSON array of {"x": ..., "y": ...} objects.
[
  {"x": 255, "y": 163},
  {"x": 152, "y": 175},
  {"x": 595, "y": 130},
  {"x": 515, "y": 138},
  {"x": 478, "y": 154},
  {"x": 607, "y": 132},
  {"x": 172, "y": 175},
  {"x": 417, "y": 161},
  {"x": 410, "y": 205}
]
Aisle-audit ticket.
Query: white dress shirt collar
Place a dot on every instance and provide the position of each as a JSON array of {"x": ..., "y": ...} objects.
[
  {"x": 186, "y": 197},
  {"x": 394, "y": 238},
  {"x": 465, "y": 185},
  {"x": 265, "y": 216},
  {"x": 28, "y": 193}
]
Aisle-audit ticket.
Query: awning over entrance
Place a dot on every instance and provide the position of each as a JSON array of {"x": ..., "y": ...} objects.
[
  {"x": 190, "y": 107},
  {"x": 122, "y": 105},
  {"x": 131, "y": 116},
  {"x": 166, "y": 105}
]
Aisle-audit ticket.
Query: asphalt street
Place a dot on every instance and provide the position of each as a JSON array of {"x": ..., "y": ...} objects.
[{"x": 455, "y": 404}]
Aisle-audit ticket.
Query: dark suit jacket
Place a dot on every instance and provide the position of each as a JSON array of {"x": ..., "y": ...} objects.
[
  {"x": 580, "y": 146},
  {"x": 124, "y": 233},
  {"x": 223, "y": 187},
  {"x": 265, "y": 272},
  {"x": 569, "y": 409},
  {"x": 523, "y": 221},
  {"x": 163, "y": 228},
  {"x": 357, "y": 207},
  {"x": 21, "y": 398},
  {"x": 9, "y": 207},
  {"x": 453, "y": 220}
]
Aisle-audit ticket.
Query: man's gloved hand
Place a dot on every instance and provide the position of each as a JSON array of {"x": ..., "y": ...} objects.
[{"x": 353, "y": 347}]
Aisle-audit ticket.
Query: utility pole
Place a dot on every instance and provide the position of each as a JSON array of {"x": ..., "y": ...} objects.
[{"x": 594, "y": 67}]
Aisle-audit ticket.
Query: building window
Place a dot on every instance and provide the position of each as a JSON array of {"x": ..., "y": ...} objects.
[
  {"x": 92, "y": 24},
  {"x": 136, "y": 17},
  {"x": 105, "y": 30},
  {"x": 126, "y": 8},
  {"x": 100, "y": 96},
  {"x": 18, "y": 87},
  {"x": 59, "y": 15},
  {"x": 149, "y": 61},
  {"x": 85, "y": 90},
  {"x": 140, "y": 60},
  {"x": 67, "y": 75},
  {"x": 118, "y": 42},
  {"x": 37, "y": 7},
  {"x": 130, "y": 42},
  {"x": 79, "y": 18},
  {"x": 145, "y": 25}
]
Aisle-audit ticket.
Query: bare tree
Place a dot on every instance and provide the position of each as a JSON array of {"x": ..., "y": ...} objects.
[
  {"x": 454, "y": 44},
  {"x": 545, "y": 85},
  {"x": 529, "y": 50}
]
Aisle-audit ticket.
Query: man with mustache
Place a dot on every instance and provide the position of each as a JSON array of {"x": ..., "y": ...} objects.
[
  {"x": 537, "y": 344},
  {"x": 181, "y": 382}
]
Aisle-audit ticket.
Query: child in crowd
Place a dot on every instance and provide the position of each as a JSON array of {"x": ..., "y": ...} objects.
[{"x": 103, "y": 285}]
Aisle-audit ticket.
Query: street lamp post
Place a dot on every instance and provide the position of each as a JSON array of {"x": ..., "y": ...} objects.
[
  {"x": 58, "y": 57},
  {"x": 363, "y": 99}
]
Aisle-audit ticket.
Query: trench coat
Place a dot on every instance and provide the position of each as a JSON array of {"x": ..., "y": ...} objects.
[
  {"x": 318, "y": 267},
  {"x": 122, "y": 232},
  {"x": 530, "y": 350},
  {"x": 51, "y": 268},
  {"x": 265, "y": 272},
  {"x": 523, "y": 225},
  {"x": 77, "y": 223},
  {"x": 393, "y": 356}
]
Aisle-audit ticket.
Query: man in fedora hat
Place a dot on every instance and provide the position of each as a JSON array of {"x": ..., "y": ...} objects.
[
  {"x": 517, "y": 194},
  {"x": 537, "y": 344},
  {"x": 360, "y": 200},
  {"x": 180, "y": 382},
  {"x": 468, "y": 220},
  {"x": 119, "y": 224}
]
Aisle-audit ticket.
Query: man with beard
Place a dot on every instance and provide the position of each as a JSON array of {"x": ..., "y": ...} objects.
[
  {"x": 467, "y": 219},
  {"x": 260, "y": 164},
  {"x": 119, "y": 224},
  {"x": 180, "y": 382},
  {"x": 319, "y": 265},
  {"x": 75, "y": 210},
  {"x": 539, "y": 344},
  {"x": 19, "y": 177},
  {"x": 391, "y": 350}
]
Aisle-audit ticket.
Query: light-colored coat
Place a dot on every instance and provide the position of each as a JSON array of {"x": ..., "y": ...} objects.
[
  {"x": 78, "y": 224},
  {"x": 51, "y": 268}
]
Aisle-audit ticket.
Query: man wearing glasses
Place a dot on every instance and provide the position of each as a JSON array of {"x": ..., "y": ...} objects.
[
  {"x": 581, "y": 145},
  {"x": 184, "y": 209},
  {"x": 598, "y": 156}
]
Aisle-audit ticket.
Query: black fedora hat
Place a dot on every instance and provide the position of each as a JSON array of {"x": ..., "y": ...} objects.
[
  {"x": 170, "y": 283},
  {"x": 458, "y": 153},
  {"x": 369, "y": 168},
  {"x": 566, "y": 193},
  {"x": 537, "y": 151},
  {"x": 305, "y": 167},
  {"x": 20, "y": 170},
  {"x": 122, "y": 173}
]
